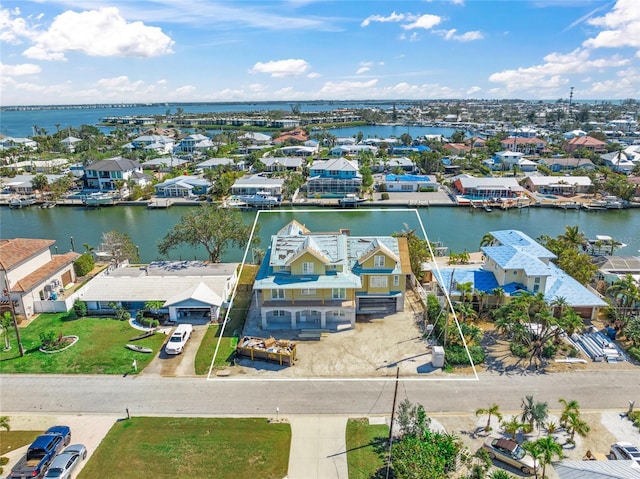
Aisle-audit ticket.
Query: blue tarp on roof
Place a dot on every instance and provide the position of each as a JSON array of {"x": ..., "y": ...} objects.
[{"x": 480, "y": 279}]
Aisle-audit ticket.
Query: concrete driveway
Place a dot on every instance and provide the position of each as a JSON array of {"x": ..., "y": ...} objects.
[{"x": 181, "y": 365}]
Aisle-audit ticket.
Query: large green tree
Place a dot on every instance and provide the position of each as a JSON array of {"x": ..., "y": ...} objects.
[
  {"x": 119, "y": 246},
  {"x": 211, "y": 227},
  {"x": 418, "y": 250}
]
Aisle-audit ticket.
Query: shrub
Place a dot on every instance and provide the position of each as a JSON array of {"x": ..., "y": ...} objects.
[
  {"x": 48, "y": 338},
  {"x": 518, "y": 350},
  {"x": 549, "y": 350},
  {"x": 80, "y": 308},
  {"x": 634, "y": 352},
  {"x": 635, "y": 417},
  {"x": 148, "y": 322},
  {"x": 84, "y": 264},
  {"x": 384, "y": 196},
  {"x": 457, "y": 355},
  {"x": 4, "y": 461}
]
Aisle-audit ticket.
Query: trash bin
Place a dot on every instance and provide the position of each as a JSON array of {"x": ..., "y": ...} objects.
[{"x": 437, "y": 356}]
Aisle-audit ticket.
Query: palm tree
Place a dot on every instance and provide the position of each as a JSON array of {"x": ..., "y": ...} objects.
[
  {"x": 569, "y": 406},
  {"x": 487, "y": 240},
  {"x": 4, "y": 423},
  {"x": 626, "y": 292},
  {"x": 575, "y": 424},
  {"x": 558, "y": 304},
  {"x": 499, "y": 293},
  {"x": 573, "y": 237},
  {"x": 493, "y": 410},
  {"x": 512, "y": 426},
  {"x": 466, "y": 311},
  {"x": 465, "y": 290},
  {"x": 534, "y": 413},
  {"x": 548, "y": 448}
]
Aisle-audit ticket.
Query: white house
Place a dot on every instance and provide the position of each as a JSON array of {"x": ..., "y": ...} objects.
[
  {"x": 33, "y": 278},
  {"x": 103, "y": 174}
]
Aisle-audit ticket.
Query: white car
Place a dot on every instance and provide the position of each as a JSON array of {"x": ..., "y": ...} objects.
[
  {"x": 178, "y": 339},
  {"x": 625, "y": 451}
]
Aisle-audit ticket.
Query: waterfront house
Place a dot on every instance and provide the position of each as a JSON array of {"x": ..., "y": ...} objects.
[
  {"x": 285, "y": 163},
  {"x": 164, "y": 163},
  {"x": 182, "y": 187},
  {"x": 567, "y": 164},
  {"x": 104, "y": 174},
  {"x": 9, "y": 142},
  {"x": 516, "y": 264},
  {"x": 507, "y": 160},
  {"x": 618, "y": 267},
  {"x": 22, "y": 184},
  {"x": 70, "y": 142},
  {"x": 392, "y": 164},
  {"x": 558, "y": 185},
  {"x": 190, "y": 291},
  {"x": 352, "y": 150},
  {"x": 322, "y": 280},
  {"x": 456, "y": 149},
  {"x": 293, "y": 136},
  {"x": 33, "y": 278},
  {"x": 587, "y": 142},
  {"x": 527, "y": 145},
  {"x": 409, "y": 183},
  {"x": 212, "y": 163},
  {"x": 255, "y": 138},
  {"x": 484, "y": 188},
  {"x": 334, "y": 177},
  {"x": 194, "y": 143},
  {"x": 258, "y": 185},
  {"x": 618, "y": 161}
]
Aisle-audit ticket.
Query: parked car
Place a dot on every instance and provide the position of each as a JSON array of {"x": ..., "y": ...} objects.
[
  {"x": 79, "y": 449},
  {"x": 178, "y": 339},
  {"x": 40, "y": 454},
  {"x": 509, "y": 452},
  {"x": 64, "y": 431},
  {"x": 625, "y": 451},
  {"x": 63, "y": 465}
]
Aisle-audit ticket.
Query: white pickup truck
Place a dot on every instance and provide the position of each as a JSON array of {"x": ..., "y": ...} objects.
[{"x": 178, "y": 339}]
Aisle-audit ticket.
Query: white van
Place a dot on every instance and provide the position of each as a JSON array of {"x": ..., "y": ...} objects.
[{"x": 178, "y": 339}]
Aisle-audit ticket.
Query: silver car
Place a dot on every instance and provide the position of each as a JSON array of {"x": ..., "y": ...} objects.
[
  {"x": 63, "y": 465},
  {"x": 509, "y": 452}
]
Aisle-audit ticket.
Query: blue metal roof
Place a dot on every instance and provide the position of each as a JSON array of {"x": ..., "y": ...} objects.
[
  {"x": 481, "y": 280},
  {"x": 508, "y": 258}
]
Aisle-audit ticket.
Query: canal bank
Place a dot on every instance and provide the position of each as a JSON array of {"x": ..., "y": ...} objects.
[{"x": 457, "y": 227}]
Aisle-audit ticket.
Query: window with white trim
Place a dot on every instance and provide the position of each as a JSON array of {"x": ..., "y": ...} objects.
[
  {"x": 378, "y": 281},
  {"x": 339, "y": 293},
  {"x": 396, "y": 280},
  {"x": 378, "y": 261},
  {"x": 308, "y": 291},
  {"x": 277, "y": 294},
  {"x": 279, "y": 313},
  {"x": 307, "y": 267}
]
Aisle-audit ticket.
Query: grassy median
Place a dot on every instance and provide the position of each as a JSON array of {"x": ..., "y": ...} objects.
[{"x": 144, "y": 447}]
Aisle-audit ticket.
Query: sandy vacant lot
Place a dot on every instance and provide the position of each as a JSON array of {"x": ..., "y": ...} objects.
[{"x": 376, "y": 347}]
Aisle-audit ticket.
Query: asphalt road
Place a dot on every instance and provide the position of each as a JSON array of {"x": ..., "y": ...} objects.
[{"x": 219, "y": 397}]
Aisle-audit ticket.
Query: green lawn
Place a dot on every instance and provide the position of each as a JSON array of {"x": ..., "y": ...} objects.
[
  {"x": 144, "y": 447},
  {"x": 11, "y": 440},
  {"x": 100, "y": 349},
  {"x": 234, "y": 326},
  {"x": 363, "y": 441}
]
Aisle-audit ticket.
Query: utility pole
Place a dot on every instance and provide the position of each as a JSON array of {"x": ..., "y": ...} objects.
[{"x": 393, "y": 413}]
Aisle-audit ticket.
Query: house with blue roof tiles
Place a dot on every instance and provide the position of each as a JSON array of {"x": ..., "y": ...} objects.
[
  {"x": 516, "y": 264},
  {"x": 323, "y": 280}
]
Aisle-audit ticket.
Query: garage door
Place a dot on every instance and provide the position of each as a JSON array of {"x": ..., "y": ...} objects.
[
  {"x": 377, "y": 305},
  {"x": 66, "y": 278}
]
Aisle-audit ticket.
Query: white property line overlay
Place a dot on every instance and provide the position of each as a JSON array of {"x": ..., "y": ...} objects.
[{"x": 368, "y": 379}]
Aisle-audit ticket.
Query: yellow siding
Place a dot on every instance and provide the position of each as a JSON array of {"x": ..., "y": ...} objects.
[
  {"x": 318, "y": 266},
  {"x": 388, "y": 261}
]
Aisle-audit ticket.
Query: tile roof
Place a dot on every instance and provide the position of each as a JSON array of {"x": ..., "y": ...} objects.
[
  {"x": 17, "y": 250},
  {"x": 57, "y": 263},
  {"x": 114, "y": 164}
]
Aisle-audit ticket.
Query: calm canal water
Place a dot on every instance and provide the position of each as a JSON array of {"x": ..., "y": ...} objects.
[{"x": 456, "y": 227}]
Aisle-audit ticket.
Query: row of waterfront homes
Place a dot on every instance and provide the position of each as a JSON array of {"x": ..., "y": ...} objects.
[{"x": 306, "y": 280}]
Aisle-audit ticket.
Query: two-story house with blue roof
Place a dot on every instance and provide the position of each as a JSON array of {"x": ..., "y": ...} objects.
[
  {"x": 335, "y": 177},
  {"x": 322, "y": 280},
  {"x": 516, "y": 264}
]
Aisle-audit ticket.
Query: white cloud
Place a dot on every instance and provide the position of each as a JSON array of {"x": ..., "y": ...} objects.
[
  {"x": 19, "y": 70},
  {"x": 552, "y": 73},
  {"x": 465, "y": 37},
  {"x": 282, "y": 68},
  {"x": 314, "y": 75},
  {"x": 186, "y": 90},
  {"x": 346, "y": 88},
  {"x": 622, "y": 27},
  {"x": 473, "y": 89},
  {"x": 394, "y": 17},
  {"x": 426, "y": 22},
  {"x": 102, "y": 33},
  {"x": 12, "y": 29},
  {"x": 362, "y": 70},
  {"x": 119, "y": 84}
]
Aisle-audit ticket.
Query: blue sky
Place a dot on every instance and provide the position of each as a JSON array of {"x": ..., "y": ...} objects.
[{"x": 79, "y": 51}]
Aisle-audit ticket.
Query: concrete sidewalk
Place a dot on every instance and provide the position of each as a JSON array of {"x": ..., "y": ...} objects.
[{"x": 318, "y": 447}]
